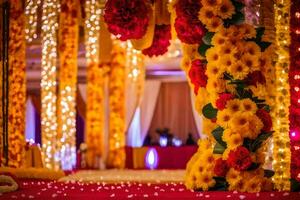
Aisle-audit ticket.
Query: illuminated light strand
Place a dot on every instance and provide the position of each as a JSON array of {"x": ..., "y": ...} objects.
[
  {"x": 68, "y": 48},
  {"x": 95, "y": 85},
  {"x": 281, "y": 140},
  {"x": 116, "y": 155},
  {"x": 31, "y": 12},
  {"x": 17, "y": 85},
  {"x": 48, "y": 83},
  {"x": 294, "y": 80}
]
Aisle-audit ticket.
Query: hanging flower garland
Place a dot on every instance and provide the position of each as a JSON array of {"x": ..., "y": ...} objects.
[
  {"x": 237, "y": 117},
  {"x": 127, "y": 19},
  {"x": 116, "y": 155},
  {"x": 17, "y": 84},
  {"x": 68, "y": 48},
  {"x": 161, "y": 41},
  {"x": 8, "y": 183}
]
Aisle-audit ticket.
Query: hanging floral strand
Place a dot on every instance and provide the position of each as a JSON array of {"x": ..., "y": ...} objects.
[
  {"x": 68, "y": 48},
  {"x": 17, "y": 84},
  {"x": 31, "y": 13}
]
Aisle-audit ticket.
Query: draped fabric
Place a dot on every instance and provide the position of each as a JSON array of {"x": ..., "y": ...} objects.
[
  {"x": 174, "y": 111},
  {"x": 197, "y": 116},
  {"x": 30, "y": 120},
  {"x": 143, "y": 115}
]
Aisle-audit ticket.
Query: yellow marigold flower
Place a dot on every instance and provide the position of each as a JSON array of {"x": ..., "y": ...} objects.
[
  {"x": 224, "y": 32},
  {"x": 267, "y": 184},
  {"x": 185, "y": 63},
  {"x": 239, "y": 185},
  {"x": 227, "y": 134},
  {"x": 228, "y": 49},
  {"x": 265, "y": 63},
  {"x": 251, "y": 62},
  {"x": 218, "y": 39},
  {"x": 248, "y": 30},
  {"x": 226, "y": 9},
  {"x": 214, "y": 70},
  {"x": 227, "y": 61},
  {"x": 252, "y": 48},
  {"x": 207, "y": 157},
  {"x": 239, "y": 70},
  {"x": 201, "y": 99},
  {"x": 254, "y": 184},
  {"x": 249, "y": 106},
  {"x": 212, "y": 55},
  {"x": 234, "y": 141},
  {"x": 205, "y": 181},
  {"x": 234, "y": 32},
  {"x": 233, "y": 176},
  {"x": 214, "y": 24},
  {"x": 226, "y": 153},
  {"x": 211, "y": 3},
  {"x": 240, "y": 122},
  {"x": 234, "y": 106},
  {"x": 223, "y": 118},
  {"x": 206, "y": 14},
  {"x": 259, "y": 90},
  {"x": 255, "y": 126},
  {"x": 204, "y": 144},
  {"x": 208, "y": 127},
  {"x": 215, "y": 85}
]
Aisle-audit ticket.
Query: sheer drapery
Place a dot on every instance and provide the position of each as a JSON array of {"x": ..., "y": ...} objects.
[
  {"x": 30, "y": 120},
  {"x": 174, "y": 111},
  {"x": 197, "y": 116},
  {"x": 143, "y": 115}
]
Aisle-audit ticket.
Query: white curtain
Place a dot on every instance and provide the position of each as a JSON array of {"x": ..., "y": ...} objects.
[
  {"x": 30, "y": 121},
  {"x": 197, "y": 116},
  {"x": 142, "y": 119}
]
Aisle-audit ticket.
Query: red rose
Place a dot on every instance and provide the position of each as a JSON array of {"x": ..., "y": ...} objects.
[
  {"x": 197, "y": 75},
  {"x": 255, "y": 77},
  {"x": 161, "y": 41},
  {"x": 239, "y": 159},
  {"x": 221, "y": 168},
  {"x": 127, "y": 19},
  {"x": 188, "y": 8},
  {"x": 266, "y": 119},
  {"x": 189, "y": 31},
  {"x": 222, "y": 100}
]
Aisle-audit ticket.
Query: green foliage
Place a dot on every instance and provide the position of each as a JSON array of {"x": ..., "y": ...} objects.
[
  {"x": 209, "y": 111},
  {"x": 218, "y": 133},
  {"x": 207, "y": 38},
  {"x": 218, "y": 149},
  {"x": 253, "y": 145},
  {"x": 221, "y": 184},
  {"x": 268, "y": 173},
  {"x": 203, "y": 48}
]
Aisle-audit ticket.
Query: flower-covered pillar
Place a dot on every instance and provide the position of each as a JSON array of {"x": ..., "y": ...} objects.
[
  {"x": 68, "y": 48},
  {"x": 226, "y": 60},
  {"x": 16, "y": 85}
]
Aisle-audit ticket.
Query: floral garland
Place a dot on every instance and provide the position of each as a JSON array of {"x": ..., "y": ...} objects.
[
  {"x": 8, "y": 183},
  {"x": 161, "y": 41},
  {"x": 294, "y": 79},
  {"x": 116, "y": 155},
  {"x": 237, "y": 120},
  {"x": 68, "y": 48},
  {"x": 17, "y": 84},
  {"x": 127, "y": 19}
]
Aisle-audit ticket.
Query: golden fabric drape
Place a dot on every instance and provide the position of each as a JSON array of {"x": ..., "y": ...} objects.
[{"x": 174, "y": 111}]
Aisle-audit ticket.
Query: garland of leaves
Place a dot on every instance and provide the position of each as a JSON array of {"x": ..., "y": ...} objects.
[{"x": 232, "y": 75}]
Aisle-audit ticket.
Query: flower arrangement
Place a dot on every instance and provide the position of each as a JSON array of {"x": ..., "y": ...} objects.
[
  {"x": 231, "y": 72},
  {"x": 161, "y": 41},
  {"x": 127, "y": 19}
]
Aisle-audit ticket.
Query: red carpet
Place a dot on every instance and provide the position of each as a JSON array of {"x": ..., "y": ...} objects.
[{"x": 45, "y": 190}]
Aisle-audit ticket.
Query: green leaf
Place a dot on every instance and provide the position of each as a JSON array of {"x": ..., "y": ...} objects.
[
  {"x": 227, "y": 76},
  {"x": 268, "y": 173},
  {"x": 295, "y": 185},
  {"x": 203, "y": 48},
  {"x": 218, "y": 149},
  {"x": 259, "y": 33},
  {"x": 253, "y": 166},
  {"x": 238, "y": 5},
  {"x": 218, "y": 133},
  {"x": 263, "y": 45},
  {"x": 209, "y": 111},
  {"x": 259, "y": 140},
  {"x": 237, "y": 18},
  {"x": 221, "y": 184},
  {"x": 267, "y": 108},
  {"x": 207, "y": 38}
]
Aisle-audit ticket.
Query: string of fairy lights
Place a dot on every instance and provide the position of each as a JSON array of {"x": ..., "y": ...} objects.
[
  {"x": 281, "y": 140},
  {"x": 31, "y": 12},
  {"x": 48, "y": 82}
]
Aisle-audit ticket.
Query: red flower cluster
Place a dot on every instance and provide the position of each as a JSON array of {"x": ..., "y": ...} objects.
[
  {"x": 255, "y": 77},
  {"x": 161, "y": 41},
  {"x": 197, "y": 75},
  {"x": 239, "y": 159},
  {"x": 221, "y": 167},
  {"x": 265, "y": 117},
  {"x": 127, "y": 19},
  {"x": 222, "y": 100},
  {"x": 187, "y": 25}
]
